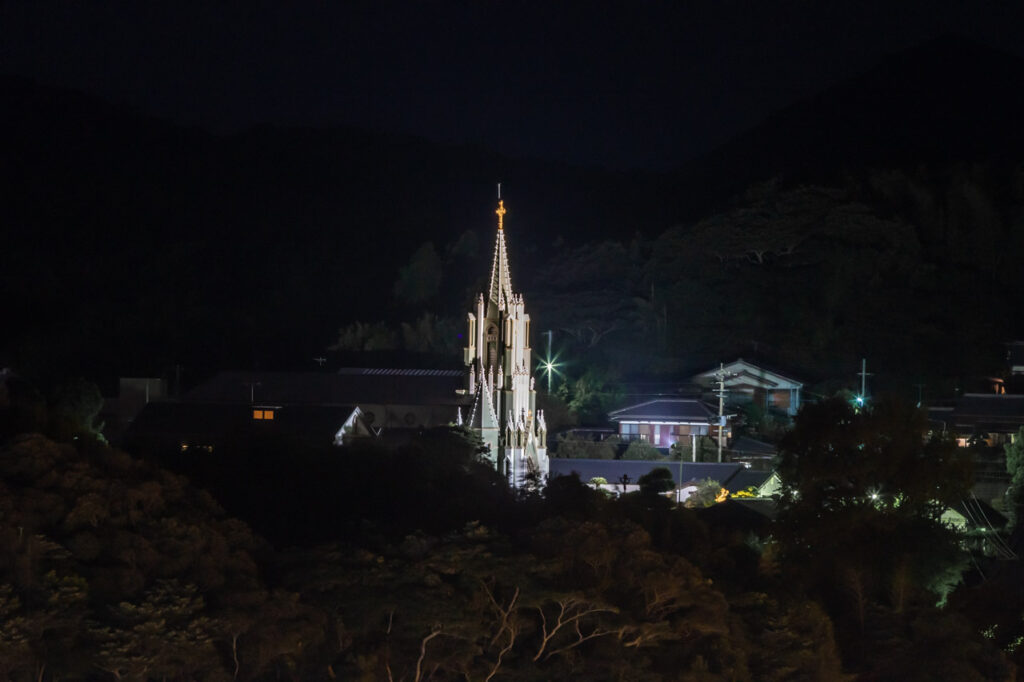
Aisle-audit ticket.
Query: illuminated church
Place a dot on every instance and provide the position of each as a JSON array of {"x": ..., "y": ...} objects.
[{"x": 501, "y": 383}]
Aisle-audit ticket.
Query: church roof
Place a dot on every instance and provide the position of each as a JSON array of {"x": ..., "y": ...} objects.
[{"x": 686, "y": 410}]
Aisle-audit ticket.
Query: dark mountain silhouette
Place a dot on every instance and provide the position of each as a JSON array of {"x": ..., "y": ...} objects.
[
  {"x": 946, "y": 101},
  {"x": 135, "y": 245},
  {"x": 249, "y": 248}
]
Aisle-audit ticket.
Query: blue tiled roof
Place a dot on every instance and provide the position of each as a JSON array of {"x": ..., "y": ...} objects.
[{"x": 680, "y": 410}]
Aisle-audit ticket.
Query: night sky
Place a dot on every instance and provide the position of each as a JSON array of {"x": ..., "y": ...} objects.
[{"x": 619, "y": 85}]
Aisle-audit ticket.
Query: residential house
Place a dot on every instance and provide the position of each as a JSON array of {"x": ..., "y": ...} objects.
[
  {"x": 664, "y": 421},
  {"x": 167, "y": 427},
  {"x": 758, "y": 454},
  {"x": 990, "y": 417},
  {"x": 746, "y": 382},
  {"x": 317, "y": 408}
]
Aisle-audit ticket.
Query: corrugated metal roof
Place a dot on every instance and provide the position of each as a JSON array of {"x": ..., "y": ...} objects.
[
  {"x": 376, "y": 371},
  {"x": 367, "y": 387}
]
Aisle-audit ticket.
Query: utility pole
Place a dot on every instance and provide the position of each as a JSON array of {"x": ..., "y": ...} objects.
[
  {"x": 252, "y": 390},
  {"x": 720, "y": 375},
  {"x": 862, "y": 399},
  {"x": 679, "y": 480}
]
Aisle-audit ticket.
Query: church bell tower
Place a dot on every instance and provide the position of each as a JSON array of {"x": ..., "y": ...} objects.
[{"x": 501, "y": 376}]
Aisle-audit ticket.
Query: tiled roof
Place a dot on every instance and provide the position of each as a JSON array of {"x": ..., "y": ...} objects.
[
  {"x": 744, "y": 513},
  {"x": 750, "y": 446},
  {"x": 764, "y": 507},
  {"x": 745, "y": 478},
  {"x": 679, "y": 410},
  {"x": 989, "y": 412},
  {"x": 761, "y": 372},
  {"x": 613, "y": 469},
  {"x": 349, "y": 387}
]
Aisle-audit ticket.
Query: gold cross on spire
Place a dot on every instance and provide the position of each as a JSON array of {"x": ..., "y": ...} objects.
[{"x": 501, "y": 213}]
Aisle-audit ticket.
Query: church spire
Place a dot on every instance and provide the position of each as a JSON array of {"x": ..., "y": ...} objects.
[
  {"x": 499, "y": 340},
  {"x": 501, "y": 282}
]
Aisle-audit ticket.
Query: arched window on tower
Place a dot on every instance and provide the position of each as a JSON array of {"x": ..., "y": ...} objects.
[{"x": 492, "y": 345}]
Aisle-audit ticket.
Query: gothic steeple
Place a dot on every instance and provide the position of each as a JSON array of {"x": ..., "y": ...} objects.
[
  {"x": 500, "y": 378},
  {"x": 501, "y": 281}
]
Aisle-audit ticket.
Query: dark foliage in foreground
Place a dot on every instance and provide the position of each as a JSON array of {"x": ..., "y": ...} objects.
[
  {"x": 297, "y": 494},
  {"x": 113, "y": 568}
]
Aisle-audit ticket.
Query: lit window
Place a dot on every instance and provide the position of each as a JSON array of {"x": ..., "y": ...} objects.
[
  {"x": 257, "y": 414},
  {"x": 268, "y": 414}
]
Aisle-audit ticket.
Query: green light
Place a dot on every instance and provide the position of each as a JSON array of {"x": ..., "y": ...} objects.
[{"x": 549, "y": 366}]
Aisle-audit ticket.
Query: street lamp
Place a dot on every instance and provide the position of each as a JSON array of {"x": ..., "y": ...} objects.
[{"x": 549, "y": 365}]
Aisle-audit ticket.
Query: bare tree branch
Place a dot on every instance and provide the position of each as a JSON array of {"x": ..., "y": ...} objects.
[
  {"x": 571, "y": 611},
  {"x": 423, "y": 652}
]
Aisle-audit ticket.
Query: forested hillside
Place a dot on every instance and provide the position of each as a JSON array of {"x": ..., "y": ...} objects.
[{"x": 868, "y": 221}]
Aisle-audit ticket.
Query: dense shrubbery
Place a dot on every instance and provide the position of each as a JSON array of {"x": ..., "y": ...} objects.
[
  {"x": 571, "y": 446},
  {"x": 417, "y": 563},
  {"x": 112, "y": 565}
]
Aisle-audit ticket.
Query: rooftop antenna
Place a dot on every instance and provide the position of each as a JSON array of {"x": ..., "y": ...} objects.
[
  {"x": 499, "y": 190},
  {"x": 320, "y": 360},
  {"x": 252, "y": 389}
]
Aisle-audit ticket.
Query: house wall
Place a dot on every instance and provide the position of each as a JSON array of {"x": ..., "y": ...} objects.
[
  {"x": 664, "y": 435},
  {"x": 779, "y": 400}
]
